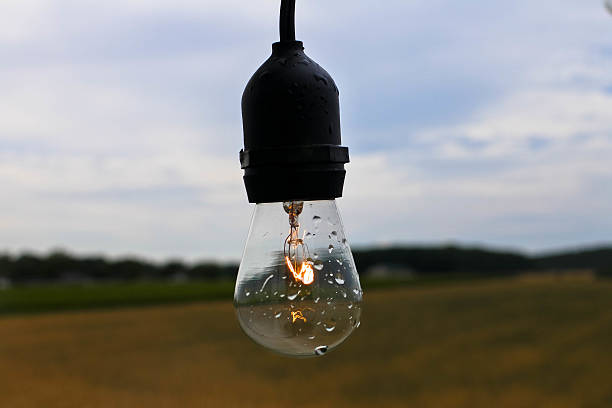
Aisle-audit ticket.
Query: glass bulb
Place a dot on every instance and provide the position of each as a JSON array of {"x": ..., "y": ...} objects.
[{"x": 298, "y": 292}]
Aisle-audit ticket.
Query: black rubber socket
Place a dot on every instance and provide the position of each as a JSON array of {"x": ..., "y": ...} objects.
[{"x": 291, "y": 119}]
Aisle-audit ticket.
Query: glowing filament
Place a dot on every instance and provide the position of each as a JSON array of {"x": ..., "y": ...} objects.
[
  {"x": 306, "y": 273},
  {"x": 298, "y": 316}
]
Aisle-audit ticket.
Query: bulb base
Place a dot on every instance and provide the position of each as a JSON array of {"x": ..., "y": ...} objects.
[{"x": 291, "y": 119}]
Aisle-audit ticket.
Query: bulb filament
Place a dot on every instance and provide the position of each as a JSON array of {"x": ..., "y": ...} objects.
[
  {"x": 295, "y": 248},
  {"x": 306, "y": 273}
]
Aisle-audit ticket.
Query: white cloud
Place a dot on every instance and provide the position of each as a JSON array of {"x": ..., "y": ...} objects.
[
  {"x": 188, "y": 204},
  {"x": 557, "y": 116},
  {"x": 541, "y": 153}
]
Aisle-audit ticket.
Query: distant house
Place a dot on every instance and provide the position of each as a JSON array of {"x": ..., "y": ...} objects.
[
  {"x": 5, "y": 283},
  {"x": 390, "y": 271}
]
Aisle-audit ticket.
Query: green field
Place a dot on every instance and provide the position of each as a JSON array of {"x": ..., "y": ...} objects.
[
  {"x": 505, "y": 343},
  {"x": 54, "y": 298},
  {"x": 37, "y": 299}
]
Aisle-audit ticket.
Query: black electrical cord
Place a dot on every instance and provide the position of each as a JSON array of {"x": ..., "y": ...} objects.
[{"x": 287, "y": 21}]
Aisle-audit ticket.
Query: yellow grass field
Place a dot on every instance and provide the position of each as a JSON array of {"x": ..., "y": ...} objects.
[{"x": 507, "y": 343}]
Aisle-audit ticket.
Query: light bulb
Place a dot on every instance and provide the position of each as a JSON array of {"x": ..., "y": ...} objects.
[{"x": 298, "y": 292}]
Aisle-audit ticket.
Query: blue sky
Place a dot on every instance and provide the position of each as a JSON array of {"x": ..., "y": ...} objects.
[{"x": 476, "y": 122}]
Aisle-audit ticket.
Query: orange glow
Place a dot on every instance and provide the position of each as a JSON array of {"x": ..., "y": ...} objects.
[
  {"x": 306, "y": 273},
  {"x": 298, "y": 316}
]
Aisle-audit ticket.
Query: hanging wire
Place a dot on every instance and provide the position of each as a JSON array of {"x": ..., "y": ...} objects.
[{"x": 287, "y": 21}]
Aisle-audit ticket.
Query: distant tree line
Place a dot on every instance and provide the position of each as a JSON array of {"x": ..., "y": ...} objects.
[
  {"x": 63, "y": 267},
  {"x": 60, "y": 266},
  {"x": 444, "y": 260},
  {"x": 454, "y": 259}
]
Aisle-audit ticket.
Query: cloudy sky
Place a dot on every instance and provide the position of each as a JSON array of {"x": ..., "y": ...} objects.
[{"x": 480, "y": 122}]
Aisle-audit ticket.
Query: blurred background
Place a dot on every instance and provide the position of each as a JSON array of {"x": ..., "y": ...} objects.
[{"x": 477, "y": 203}]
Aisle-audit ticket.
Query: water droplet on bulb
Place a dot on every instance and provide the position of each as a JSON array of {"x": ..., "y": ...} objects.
[
  {"x": 331, "y": 249},
  {"x": 340, "y": 280},
  {"x": 330, "y": 326},
  {"x": 320, "y": 79},
  {"x": 247, "y": 294},
  {"x": 334, "y": 234},
  {"x": 316, "y": 219},
  {"x": 319, "y": 351},
  {"x": 318, "y": 266},
  {"x": 317, "y": 300},
  {"x": 292, "y": 297},
  {"x": 311, "y": 337},
  {"x": 278, "y": 315},
  {"x": 266, "y": 282}
]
